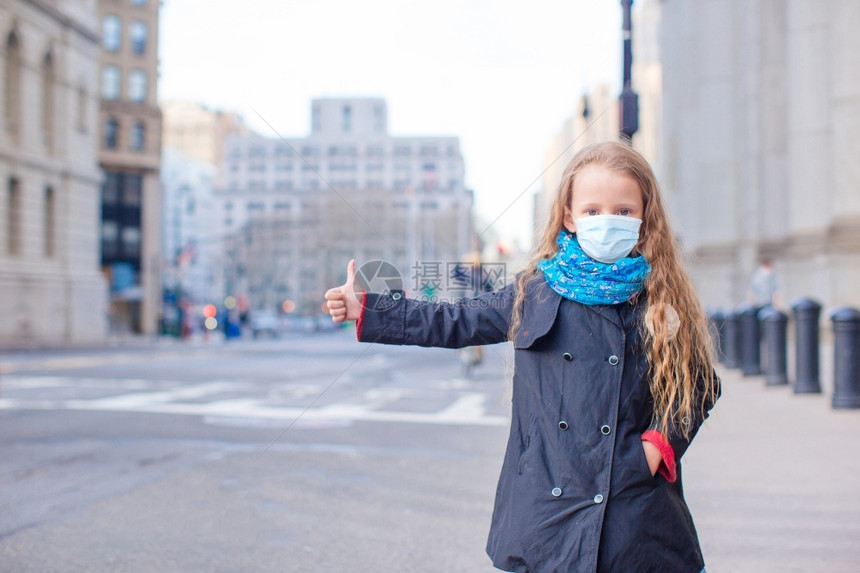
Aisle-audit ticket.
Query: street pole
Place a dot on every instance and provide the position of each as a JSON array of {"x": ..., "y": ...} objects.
[{"x": 629, "y": 100}]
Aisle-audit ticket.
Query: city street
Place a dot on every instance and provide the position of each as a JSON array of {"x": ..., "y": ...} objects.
[
  {"x": 309, "y": 453},
  {"x": 315, "y": 453}
]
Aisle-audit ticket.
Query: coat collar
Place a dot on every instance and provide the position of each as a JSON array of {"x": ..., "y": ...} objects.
[{"x": 540, "y": 308}]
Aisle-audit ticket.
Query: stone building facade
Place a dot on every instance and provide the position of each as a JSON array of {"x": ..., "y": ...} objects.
[
  {"x": 761, "y": 125},
  {"x": 51, "y": 290}
]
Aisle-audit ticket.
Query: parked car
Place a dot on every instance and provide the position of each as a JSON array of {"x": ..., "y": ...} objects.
[{"x": 265, "y": 324}]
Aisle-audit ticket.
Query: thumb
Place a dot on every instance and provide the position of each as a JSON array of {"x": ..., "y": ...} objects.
[{"x": 350, "y": 276}]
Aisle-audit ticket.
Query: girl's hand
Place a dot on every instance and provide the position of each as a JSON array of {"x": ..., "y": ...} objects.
[
  {"x": 652, "y": 454},
  {"x": 342, "y": 303}
]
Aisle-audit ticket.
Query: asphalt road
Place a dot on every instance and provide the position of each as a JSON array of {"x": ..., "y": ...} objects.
[{"x": 311, "y": 453}]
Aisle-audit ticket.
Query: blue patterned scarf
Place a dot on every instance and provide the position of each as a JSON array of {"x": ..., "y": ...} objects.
[{"x": 574, "y": 275}]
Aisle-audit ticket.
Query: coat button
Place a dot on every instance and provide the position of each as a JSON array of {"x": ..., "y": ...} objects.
[
  {"x": 613, "y": 360},
  {"x": 598, "y": 498},
  {"x": 396, "y": 296},
  {"x": 562, "y": 425},
  {"x": 605, "y": 429},
  {"x": 567, "y": 356},
  {"x": 556, "y": 492}
]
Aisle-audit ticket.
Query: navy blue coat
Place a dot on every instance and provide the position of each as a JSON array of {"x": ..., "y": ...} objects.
[{"x": 575, "y": 491}]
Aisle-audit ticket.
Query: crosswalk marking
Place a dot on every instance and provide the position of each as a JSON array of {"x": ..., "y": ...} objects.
[{"x": 190, "y": 400}]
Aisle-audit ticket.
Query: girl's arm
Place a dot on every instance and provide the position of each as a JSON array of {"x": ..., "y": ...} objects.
[
  {"x": 393, "y": 319},
  {"x": 673, "y": 446}
]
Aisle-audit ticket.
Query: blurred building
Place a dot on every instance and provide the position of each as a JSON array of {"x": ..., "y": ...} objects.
[
  {"x": 596, "y": 116},
  {"x": 294, "y": 211},
  {"x": 189, "y": 245},
  {"x": 197, "y": 131},
  {"x": 761, "y": 124},
  {"x": 193, "y": 139},
  {"x": 51, "y": 290},
  {"x": 130, "y": 154}
]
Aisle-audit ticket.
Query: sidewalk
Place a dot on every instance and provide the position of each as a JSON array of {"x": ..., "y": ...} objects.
[{"x": 773, "y": 481}]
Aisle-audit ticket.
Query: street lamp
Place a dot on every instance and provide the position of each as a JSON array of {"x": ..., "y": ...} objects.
[{"x": 629, "y": 101}]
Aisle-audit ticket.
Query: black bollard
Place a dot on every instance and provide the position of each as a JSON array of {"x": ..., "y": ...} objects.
[
  {"x": 774, "y": 322},
  {"x": 718, "y": 332},
  {"x": 750, "y": 341},
  {"x": 846, "y": 357},
  {"x": 731, "y": 344},
  {"x": 807, "y": 313}
]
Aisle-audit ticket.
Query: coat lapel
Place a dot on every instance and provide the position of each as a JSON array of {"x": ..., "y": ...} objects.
[
  {"x": 608, "y": 313},
  {"x": 539, "y": 309}
]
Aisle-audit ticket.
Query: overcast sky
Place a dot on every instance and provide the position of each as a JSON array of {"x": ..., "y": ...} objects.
[{"x": 502, "y": 75}]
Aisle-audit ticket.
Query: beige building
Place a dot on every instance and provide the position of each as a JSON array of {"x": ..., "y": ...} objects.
[
  {"x": 197, "y": 131},
  {"x": 129, "y": 155},
  {"x": 51, "y": 290},
  {"x": 761, "y": 124}
]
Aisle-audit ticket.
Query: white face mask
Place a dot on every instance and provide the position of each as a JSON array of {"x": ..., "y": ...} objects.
[{"x": 607, "y": 238}]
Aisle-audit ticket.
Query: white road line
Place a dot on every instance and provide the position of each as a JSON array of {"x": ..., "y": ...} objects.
[{"x": 467, "y": 410}]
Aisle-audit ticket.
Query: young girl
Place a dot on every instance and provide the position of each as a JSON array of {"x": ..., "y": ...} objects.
[{"x": 613, "y": 376}]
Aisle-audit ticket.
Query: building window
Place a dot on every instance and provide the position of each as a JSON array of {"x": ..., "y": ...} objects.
[
  {"x": 138, "y": 32},
  {"x": 131, "y": 241},
  {"x": 82, "y": 108},
  {"x": 48, "y": 100},
  {"x": 111, "y": 81},
  {"x": 138, "y": 2},
  {"x": 13, "y": 217},
  {"x": 138, "y": 136},
  {"x": 111, "y": 133},
  {"x": 378, "y": 119},
  {"x": 110, "y": 239},
  {"x": 132, "y": 190},
  {"x": 315, "y": 118},
  {"x": 49, "y": 222},
  {"x": 347, "y": 119},
  {"x": 11, "y": 107},
  {"x": 110, "y": 188},
  {"x": 111, "y": 33},
  {"x": 137, "y": 85}
]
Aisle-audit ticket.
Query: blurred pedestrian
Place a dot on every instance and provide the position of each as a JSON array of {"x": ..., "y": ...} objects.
[
  {"x": 613, "y": 376},
  {"x": 764, "y": 286}
]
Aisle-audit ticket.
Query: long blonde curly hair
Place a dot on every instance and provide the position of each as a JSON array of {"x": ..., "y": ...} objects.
[{"x": 681, "y": 353}]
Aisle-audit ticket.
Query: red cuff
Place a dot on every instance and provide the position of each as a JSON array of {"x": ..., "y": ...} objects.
[
  {"x": 667, "y": 466},
  {"x": 358, "y": 321}
]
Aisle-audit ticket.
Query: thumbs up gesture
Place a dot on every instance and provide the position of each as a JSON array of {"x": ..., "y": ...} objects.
[{"x": 342, "y": 302}]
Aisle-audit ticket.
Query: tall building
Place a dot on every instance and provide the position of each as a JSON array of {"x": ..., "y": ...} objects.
[
  {"x": 129, "y": 155},
  {"x": 51, "y": 290},
  {"x": 762, "y": 105},
  {"x": 294, "y": 211},
  {"x": 188, "y": 243}
]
